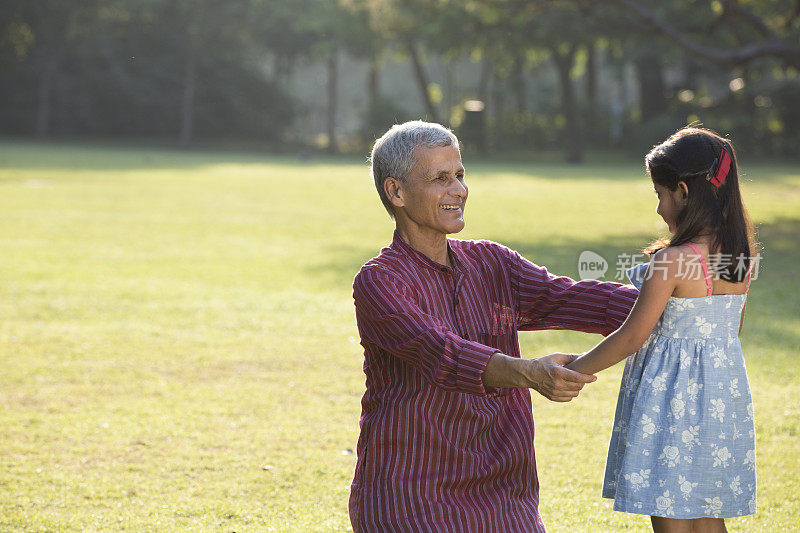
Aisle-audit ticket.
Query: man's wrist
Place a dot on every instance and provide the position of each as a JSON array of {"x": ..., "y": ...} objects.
[{"x": 503, "y": 371}]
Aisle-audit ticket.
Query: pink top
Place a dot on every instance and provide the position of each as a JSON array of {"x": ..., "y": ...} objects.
[{"x": 438, "y": 451}]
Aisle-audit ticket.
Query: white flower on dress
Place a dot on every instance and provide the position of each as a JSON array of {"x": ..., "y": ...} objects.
[
  {"x": 736, "y": 486},
  {"x": 686, "y": 486},
  {"x": 713, "y": 506},
  {"x": 670, "y": 456},
  {"x": 721, "y": 456},
  {"x": 648, "y": 427},
  {"x": 704, "y": 326},
  {"x": 693, "y": 389},
  {"x": 677, "y": 405},
  {"x": 736, "y": 433},
  {"x": 734, "y": 388},
  {"x": 717, "y": 409},
  {"x": 664, "y": 503},
  {"x": 749, "y": 412},
  {"x": 689, "y": 436},
  {"x": 685, "y": 359},
  {"x": 720, "y": 358},
  {"x": 639, "y": 479},
  {"x": 752, "y": 504},
  {"x": 659, "y": 383},
  {"x": 750, "y": 459}
]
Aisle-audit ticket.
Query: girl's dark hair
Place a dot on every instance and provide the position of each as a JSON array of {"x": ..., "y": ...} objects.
[{"x": 688, "y": 156}]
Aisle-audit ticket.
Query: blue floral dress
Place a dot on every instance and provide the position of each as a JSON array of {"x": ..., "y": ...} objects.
[{"x": 683, "y": 443}]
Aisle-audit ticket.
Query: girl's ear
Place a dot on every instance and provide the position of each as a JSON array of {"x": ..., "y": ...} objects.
[{"x": 683, "y": 189}]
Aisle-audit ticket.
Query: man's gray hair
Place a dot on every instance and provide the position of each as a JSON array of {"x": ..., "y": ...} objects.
[{"x": 393, "y": 154}]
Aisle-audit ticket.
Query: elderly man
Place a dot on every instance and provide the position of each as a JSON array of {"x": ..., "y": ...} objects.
[{"x": 446, "y": 438}]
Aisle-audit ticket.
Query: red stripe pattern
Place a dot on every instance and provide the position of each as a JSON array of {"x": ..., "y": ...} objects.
[{"x": 437, "y": 450}]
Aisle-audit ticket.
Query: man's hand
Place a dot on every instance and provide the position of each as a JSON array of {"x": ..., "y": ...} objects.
[{"x": 549, "y": 378}]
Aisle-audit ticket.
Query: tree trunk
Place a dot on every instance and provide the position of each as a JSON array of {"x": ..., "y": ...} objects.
[
  {"x": 422, "y": 81},
  {"x": 485, "y": 79},
  {"x": 45, "y": 95},
  {"x": 449, "y": 87},
  {"x": 649, "y": 71},
  {"x": 373, "y": 86},
  {"x": 572, "y": 137},
  {"x": 591, "y": 91},
  {"x": 187, "y": 102},
  {"x": 333, "y": 74},
  {"x": 518, "y": 83},
  {"x": 496, "y": 110},
  {"x": 373, "y": 80}
]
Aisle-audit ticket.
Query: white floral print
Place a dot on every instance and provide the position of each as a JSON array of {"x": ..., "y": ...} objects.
[
  {"x": 693, "y": 389},
  {"x": 713, "y": 506},
  {"x": 670, "y": 456},
  {"x": 677, "y": 405},
  {"x": 717, "y": 409},
  {"x": 750, "y": 460},
  {"x": 664, "y": 503},
  {"x": 735, "y": 486},
  {"x": 689, "y": 437},
  {"x": 685, "y": 486},
  {"x": 721, "y": 456},
  {"x": 639, "y": 479},
  {"x": 648, "y": 427}
]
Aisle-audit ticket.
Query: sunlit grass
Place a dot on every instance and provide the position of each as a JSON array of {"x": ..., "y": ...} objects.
[{"x": 179, "y": 351}]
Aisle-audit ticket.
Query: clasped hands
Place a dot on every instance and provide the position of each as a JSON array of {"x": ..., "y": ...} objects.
[
  {"x": 547, "y": 375},
  {"x": 555, "y": 382}
]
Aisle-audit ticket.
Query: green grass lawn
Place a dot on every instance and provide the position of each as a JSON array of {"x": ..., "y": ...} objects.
[{"x": 178, "y": 349}]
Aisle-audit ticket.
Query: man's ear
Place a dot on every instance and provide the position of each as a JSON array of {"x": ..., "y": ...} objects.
[{"x": 394, "y": 192}]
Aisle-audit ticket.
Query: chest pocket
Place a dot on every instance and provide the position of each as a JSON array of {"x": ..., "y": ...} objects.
[{"x": 501, "y": 331}]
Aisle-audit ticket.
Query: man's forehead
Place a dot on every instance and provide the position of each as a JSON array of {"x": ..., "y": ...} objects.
[{"x": 438, "y": 159}]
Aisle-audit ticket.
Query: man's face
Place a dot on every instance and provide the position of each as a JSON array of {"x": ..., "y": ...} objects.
[{"x": 434, "y": 195}]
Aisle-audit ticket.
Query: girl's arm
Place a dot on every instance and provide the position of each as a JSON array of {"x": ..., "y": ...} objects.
[{"x": 660, "y": 281}]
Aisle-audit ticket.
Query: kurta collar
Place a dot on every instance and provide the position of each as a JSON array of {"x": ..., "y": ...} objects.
[{"x": 423, "y": 260}]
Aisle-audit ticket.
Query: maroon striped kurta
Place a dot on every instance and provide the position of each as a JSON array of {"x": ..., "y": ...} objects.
[{"x": 438, "y": 451}]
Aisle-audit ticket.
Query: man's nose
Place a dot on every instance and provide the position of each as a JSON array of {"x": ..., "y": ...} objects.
[{"x": 459, "y": 189}]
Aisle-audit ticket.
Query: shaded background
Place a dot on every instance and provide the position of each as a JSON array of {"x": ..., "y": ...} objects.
[{"x": 330, "y": 75}]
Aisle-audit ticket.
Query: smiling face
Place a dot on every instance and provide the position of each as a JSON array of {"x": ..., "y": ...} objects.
[
  {"x": 432, "y": 198},
  {"x": 670, "y": 204}
]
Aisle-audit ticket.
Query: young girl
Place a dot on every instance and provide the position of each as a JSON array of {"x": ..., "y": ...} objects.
[{"x": 683, "y": 445}]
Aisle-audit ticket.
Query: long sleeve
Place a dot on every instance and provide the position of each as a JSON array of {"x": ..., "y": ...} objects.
[
  {"x": 546, "y": 301},
  {"x": 389, "y": 317}
]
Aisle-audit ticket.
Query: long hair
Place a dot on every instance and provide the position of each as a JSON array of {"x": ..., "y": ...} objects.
[{"x": 689, "y": 155}]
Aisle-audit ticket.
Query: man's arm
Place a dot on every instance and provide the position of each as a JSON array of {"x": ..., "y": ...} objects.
[
  {"x": 546, "y": 301},
  {"x": 546, "y": 375},
  {"x": 389, "y": 317}
]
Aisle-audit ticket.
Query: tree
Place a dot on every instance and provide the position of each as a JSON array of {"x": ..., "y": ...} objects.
[{"x": 773, "y": 33}]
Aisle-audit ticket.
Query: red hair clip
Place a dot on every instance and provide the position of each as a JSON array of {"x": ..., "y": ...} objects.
[{"x": 718, "y": 172}]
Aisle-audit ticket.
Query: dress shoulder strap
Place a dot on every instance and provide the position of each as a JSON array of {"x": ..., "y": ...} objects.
[
  {"x": 749, "y": 273},
  {"x": 705, "y": 267}
]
